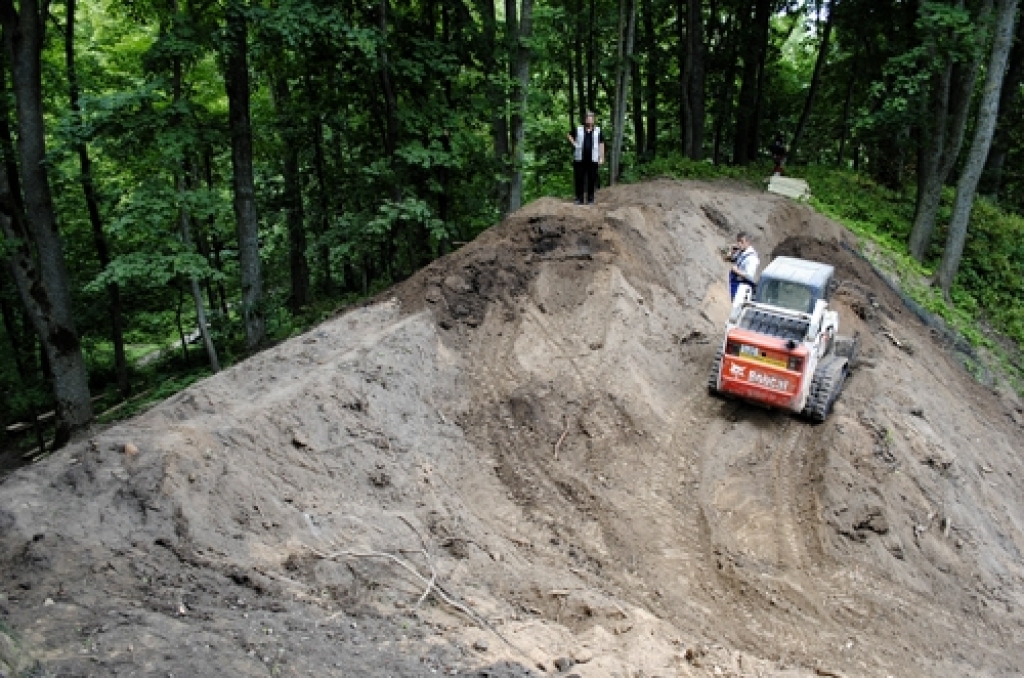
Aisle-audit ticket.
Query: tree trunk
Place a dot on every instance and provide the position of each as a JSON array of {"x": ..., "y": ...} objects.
[
  {"x": 185, "y": 226},
  {"x": 512, "y": 56},
  {"x": 627, "y": 28},
  {"x": 216, "y": 246},
  {"x": 591, "y": 58},
  {"x": 324, "y": 202},
  {"x": 653, "y": 69},
  {"x": 44, "y": 286},
  {"x": 988, "y": 113},
  {"x": 178, "y": 312},
  {"x": 685, "y": 130},
  {"x": 496, "y": 96},
  {"x": 24, "y": 370},
  {"x": 93, "y": 208},
  {"x": 948, "y": 108},
  {"x": 639, "y": 138},
  {"x": 581, "y": 77},
  {"x": 695, "y": 96},
  {"x": 203, "y": 246},
  {"x": 844, "y": 126},
  {"x": 755, "y": 32},
  {"x": 390, "y": 103},
  {"x": 521, "y": 57},
  {"x": 754, "y": 136},
  {"x": 246, "y": 217},
  {"x": 10, "y": 157},
  {"x": 571, "y": 78},
  {"x": 185, "y": 223},
  {"x": 724, "y": 105},
  {"x": 295, "y": 220},
  {"x": 1009, "y": 114},
  {"x": 812, "y": 92}
]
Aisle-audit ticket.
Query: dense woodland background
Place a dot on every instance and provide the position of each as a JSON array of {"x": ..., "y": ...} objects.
[{"x": 185, "y": 181}]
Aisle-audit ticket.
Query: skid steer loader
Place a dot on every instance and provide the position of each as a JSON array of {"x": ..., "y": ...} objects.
[{"x": 782, "y": 346}]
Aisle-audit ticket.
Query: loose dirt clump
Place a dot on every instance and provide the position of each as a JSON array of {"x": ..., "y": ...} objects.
[
  {"x": 498, "y": 267},
  {"x": 511, "y": 467}
]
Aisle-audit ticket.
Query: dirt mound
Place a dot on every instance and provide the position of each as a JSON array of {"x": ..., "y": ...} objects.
[{"x": 512, "y": 467}]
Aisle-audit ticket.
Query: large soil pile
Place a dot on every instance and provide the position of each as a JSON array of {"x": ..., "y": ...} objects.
[{"x": 512, "y": 467}]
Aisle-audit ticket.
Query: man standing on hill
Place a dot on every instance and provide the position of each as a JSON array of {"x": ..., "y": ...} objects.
[
  {"x": 589, "y": 153},
  {"x": 744, "y": 265}
]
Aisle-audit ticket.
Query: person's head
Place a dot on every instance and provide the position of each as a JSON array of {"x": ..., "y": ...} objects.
[
  {"x": 742, "y": 240},
  {"x": 588, "y": 121}
]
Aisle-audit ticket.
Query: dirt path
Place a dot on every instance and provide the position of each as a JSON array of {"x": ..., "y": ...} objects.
[{"x": 525, "y": 425}]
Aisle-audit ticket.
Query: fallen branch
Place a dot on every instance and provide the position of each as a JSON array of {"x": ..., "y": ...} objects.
[
  {"x": 35, "y": 453},
  {"x": 423, "y": 542},
  {"x": 430, "y": 583},
  {"x": 562, "y": 437},
  {"x": 398, "y": 561},
  {"x": 426, "y": 554},
  {"x": 901, "y": 345},
  {"x": 892, "y": 337},
  {"x": 43, "y": 418},
  {"x": 121, "y": 404}
]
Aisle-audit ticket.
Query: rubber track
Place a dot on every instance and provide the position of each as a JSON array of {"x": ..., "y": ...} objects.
[
  {"x": 828, "y": 381},
  {"x": 716, "y": 370}
]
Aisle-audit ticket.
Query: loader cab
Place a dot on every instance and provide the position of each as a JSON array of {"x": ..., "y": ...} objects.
[{"x": 795, "y": 284}]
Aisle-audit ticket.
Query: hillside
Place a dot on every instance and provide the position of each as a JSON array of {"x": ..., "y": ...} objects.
[{"x": 525, "y": 424}]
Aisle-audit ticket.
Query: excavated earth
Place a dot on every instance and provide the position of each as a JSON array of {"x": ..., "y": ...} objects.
[{"x": 510, "y": 466}]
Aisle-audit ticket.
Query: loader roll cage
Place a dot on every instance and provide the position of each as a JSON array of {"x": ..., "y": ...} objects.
[{"x": 794, "y": 284}]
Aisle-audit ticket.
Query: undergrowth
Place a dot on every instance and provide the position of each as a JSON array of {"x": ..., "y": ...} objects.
[{"x": 987, "y": 298}]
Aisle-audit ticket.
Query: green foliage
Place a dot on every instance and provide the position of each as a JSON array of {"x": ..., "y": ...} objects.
[
  {"x": 679, "y": 167},
  {"x": 163, "y": 387},
  {"x": 896, "y": 99},
  {"x": 144, "y": 269},
  {"x": 989, "y": 290}
]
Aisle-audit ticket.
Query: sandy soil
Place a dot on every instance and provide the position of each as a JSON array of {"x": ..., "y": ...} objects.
[{"x": 510, "y": 466}]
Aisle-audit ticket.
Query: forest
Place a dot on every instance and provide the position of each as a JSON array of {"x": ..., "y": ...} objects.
[{"x": 184, "y": 182}]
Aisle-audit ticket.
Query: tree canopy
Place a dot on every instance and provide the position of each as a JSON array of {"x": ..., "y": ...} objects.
[{"x": 221, "y": 171}]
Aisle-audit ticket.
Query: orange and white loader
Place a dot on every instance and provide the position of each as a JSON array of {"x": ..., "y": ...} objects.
[{"x": 782, "y": 346}]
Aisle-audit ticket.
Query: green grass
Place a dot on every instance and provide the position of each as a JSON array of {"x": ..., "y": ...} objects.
[
  {"x": 147, "y": 397},
  {"x": 135, "y": 352}
]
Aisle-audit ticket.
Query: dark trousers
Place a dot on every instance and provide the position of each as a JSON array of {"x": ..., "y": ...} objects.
[
  {"x": 585, "y": 174},
  {"x": 778, "y": 158}
]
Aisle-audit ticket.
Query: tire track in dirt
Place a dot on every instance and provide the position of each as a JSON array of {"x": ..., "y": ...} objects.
[
  {"x": 683, "y": 542},
  {"x": 792, "y": 550},
  {"x": 683, "y": 563}
]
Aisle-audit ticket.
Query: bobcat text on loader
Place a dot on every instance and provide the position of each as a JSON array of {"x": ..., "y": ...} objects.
[{"x": 782, "y": 346}]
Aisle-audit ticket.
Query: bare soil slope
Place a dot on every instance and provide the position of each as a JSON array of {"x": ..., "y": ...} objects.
[{"x": 511, "y": 466}]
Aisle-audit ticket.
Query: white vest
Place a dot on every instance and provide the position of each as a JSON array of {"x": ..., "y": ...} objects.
[{"x": 595, "y": 152}]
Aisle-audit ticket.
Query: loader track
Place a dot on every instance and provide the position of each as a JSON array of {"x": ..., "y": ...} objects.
[
  {"x": 715, "y": 371},
  {"x": 826, "y": 385}
]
